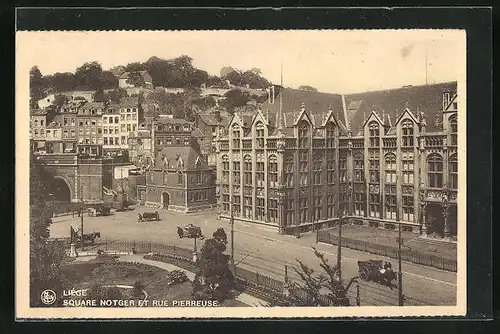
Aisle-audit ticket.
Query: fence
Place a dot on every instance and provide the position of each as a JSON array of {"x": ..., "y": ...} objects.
[
  {"x": 269, "y": 288},
  {"x": 406, "y": 254}
]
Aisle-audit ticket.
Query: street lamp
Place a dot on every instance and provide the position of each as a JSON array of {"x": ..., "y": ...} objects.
[
  {"x": 445, "y": 205},
  {"x": 281, "y": 194}
]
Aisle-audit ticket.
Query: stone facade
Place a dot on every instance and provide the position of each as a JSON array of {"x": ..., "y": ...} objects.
[{"x": 371, "y": 157}]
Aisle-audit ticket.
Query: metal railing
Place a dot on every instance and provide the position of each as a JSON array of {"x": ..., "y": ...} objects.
[
  {"x": 389, "y": 251},
  {"x": 268, "y": 287}
]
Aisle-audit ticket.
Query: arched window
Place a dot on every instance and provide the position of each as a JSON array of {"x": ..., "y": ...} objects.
[
  {"x": 272, "y": 170},
  {"x": 390, "y": 168},
  {"x": 330, "y": 135},
  {"x": 374, "y": 132},
  {"x": 407, "y": 133},
  {"x": 236, "y": 172},
  {"x": 247, "y": 168},
  {"x": 236, "y": 136},
  {"x": 454, "y": 130},
  {"x": 303, "y": 134},
  {"x": 453, "y": 172},
  {"x": 435, "y": 171},
  {"x": 259, "y": 135}
]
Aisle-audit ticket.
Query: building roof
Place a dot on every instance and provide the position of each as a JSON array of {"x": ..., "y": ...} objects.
[
  {"x": 130, "y": 102},
  {"x": 112, "y": 108},
  {"x": 196, "y": 133},
  {"x": 182, "y": 157},
  {"x": 93, "y": 105},
  {"x": 38, "y": 112},
  {"x": 314, "y": 103},
  {"x": 389, "y": 103},
  {"x": 168, "y": 120},
  {"x": 209, "y": 119}
]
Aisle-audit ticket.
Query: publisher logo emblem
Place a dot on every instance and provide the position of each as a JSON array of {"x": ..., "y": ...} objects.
[{"x": 48, "y": 297}]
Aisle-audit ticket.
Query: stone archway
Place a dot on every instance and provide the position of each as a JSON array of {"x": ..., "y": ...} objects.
[
  {"x": 60, "y": 189},
  {"x": 165, "y": 200}
]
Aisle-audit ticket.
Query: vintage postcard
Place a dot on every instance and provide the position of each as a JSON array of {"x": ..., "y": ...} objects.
[{"x": 240, "y": 174}]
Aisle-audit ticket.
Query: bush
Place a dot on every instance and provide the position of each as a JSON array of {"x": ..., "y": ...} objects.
[
  {"x": 98, "y": 292},
  {"x": 176, "y": 277},
  {"x": 138, "y": 289}
]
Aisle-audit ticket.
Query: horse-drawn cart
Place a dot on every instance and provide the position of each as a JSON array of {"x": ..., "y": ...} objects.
[
  {"x": 88, "y": 239},
  {"x": 373, "y": 270},
  {"x": 147, "y": 216}
]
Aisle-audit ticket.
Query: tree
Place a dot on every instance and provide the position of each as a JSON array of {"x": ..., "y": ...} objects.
[
  {"x": 45, "y": 256},
  {"x": 135, "y": 79},
  {"x": 214, "y": 279},
  {"x": 109, "y": 80},
  {"x": 61, "y": 82},
  {"x": 134, "y": 67},
  {"x": 37, "y": 86},
  {"x": 99, "y": 96},
  {"x": 308, "y": 88},
  {"x": 313, "y": 283},
  {"x": 115, "y": 95},
  {"x": 59, "y": 101},
  {"x": 235, "y": 98},
  {"x": 89, "y": 76}
]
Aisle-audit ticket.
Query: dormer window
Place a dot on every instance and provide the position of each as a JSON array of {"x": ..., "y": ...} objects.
[
  {"x": 374, "y": 132},
  {"x": 407, "y": 133},
  {"x": 259, "y": 135},
  {"x": 330, "y": 135},
  {"x": 236, "y": 136},
  {"x": 446, "y": 99},
  {"x": 303, "y": 134}
]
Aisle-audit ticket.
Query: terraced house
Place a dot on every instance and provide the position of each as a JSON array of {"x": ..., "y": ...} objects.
[{"x": 305, "y": 159}]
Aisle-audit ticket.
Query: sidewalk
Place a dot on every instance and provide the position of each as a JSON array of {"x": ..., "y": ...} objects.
[
  {"x": 242, "y": 297},
  {"x": 389, "y": 238}
]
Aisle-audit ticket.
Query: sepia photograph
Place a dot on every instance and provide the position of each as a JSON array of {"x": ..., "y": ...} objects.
[{"x": 243, "y": 173}]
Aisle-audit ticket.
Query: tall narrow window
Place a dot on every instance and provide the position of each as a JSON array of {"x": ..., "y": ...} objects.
[
  {"x": 259, "y": 174},
  {"x": 289, "y": 173},
  {"x": 390, "y": 202},
  {"x": 303, "y": 134},
  {"x": 390, "y": 168},
  {"x": 435, "y": 171},
  {"x": 318, "y": 203},
  {"x": 272, "y": 170},
  {"x": 259, "y": 135},
  {"x": 375, "y": 205},
  {"x": 343, "y": 168},
  {"x": 330, "y": 135},
  {"x": 359, "y": 166},
  {"x": 317, "y": 168},
  {"x": 272, "y": 208},
  {"x": 236, "y": 136},
  {"x": 408, "y": 208},
  {"x": 247, "y": 167},
  {"x": 260, "y": 208},
  {"x": 374, "y": 166},
  {"x": 236, "y": 172},
  {"x": 359, "y": 200},
  {"x": 407, "y": 134},
  {"x": 454, "y": 130},
  {"x": 330, "y": 167},
  {"x": 453, "y": 172},
  {"x": 304, "y": 168},
  {"x": 408, "y": 169},
  {"x": 330, "y": 202},
  {"x": 374, "y": 132}
]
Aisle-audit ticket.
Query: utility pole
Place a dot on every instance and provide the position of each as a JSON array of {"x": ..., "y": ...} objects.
[
  {"x": 81, "y": 217},
  {"x": 232, "y": 236},
  {"x": 400, "y": 273},
  {"x": 339, "y": 249}
]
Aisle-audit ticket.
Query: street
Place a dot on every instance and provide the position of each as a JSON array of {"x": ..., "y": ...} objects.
[{"x": 260, "y": 248}]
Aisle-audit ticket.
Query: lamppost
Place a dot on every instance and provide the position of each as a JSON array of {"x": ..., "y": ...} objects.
[
  {"x": 445, "y": 205},
  {"x": 423, "y": 210},
  {"x": 281, "y": 194}
]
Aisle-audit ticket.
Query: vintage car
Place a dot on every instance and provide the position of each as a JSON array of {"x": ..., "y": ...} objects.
[
  {"x": 373, "y": 270},
  {"x": 190, "y": 231},
  {"x": 147, "y": 216}
]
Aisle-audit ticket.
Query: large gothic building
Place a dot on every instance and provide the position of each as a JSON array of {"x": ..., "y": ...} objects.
[{"x": 306, "y": 159}]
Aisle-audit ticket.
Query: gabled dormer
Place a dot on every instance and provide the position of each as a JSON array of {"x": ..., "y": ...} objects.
[{"x": 450, "y": 103}]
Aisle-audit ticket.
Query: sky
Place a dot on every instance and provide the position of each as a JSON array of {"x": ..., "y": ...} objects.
[{"x": 330, "y": 60}]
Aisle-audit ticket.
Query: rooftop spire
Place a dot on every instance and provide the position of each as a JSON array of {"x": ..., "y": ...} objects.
[{"x": 281, "y": 121}]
